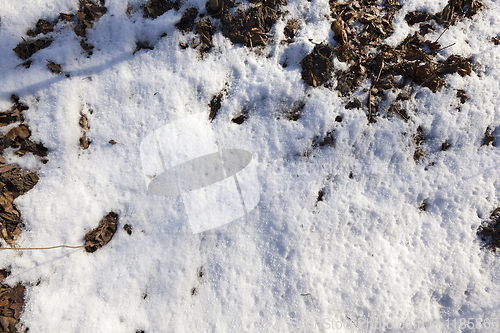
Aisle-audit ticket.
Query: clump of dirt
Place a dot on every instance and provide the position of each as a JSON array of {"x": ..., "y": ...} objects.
[
  {"x": 354, "y": 104},
  {"x": 489, "y": 231},
  {"x": 454, "y": 11},
  {"x": 142, "y": 46},
  {"x": 154, "y": 8},
  {"x": 206, "y": 30},
  {"x": 327, "y": 140},
  {"x": 186, "y": 23},
  {"x": 295, "y": 111},
  {"x": 11, "y": 304},
  {"x": 250, "y": 27},
  {"x": 101, "y": 235},
  {"x": 14, "y": 181},
  {"x": 361, "y": 26},
  {"x": 317, "y": 66}
]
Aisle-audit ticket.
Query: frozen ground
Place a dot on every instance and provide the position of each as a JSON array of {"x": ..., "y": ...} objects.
[{"x": 366, "y": 253}]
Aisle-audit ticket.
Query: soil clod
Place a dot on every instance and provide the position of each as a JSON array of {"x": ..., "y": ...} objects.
[
  {"x": 154, "y": 8},
  {"x": 186, "y": 23},
  {"x": 206, "y": 30},
  {"x": 317, "y": 66}
]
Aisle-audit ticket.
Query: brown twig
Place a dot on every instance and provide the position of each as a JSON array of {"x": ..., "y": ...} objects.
[
  {"x": 441, "y": 49},
  {"x": 441, "y": 34},
  {"x": 308, "y": 294}
]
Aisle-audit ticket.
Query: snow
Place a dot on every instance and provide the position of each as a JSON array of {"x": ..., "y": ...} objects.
[{"x": 362, "y": 257}]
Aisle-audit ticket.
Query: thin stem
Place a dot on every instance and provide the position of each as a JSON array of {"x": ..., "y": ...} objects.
[
  {"x": 41, "y": 248},
  {"x": 445, "y": 47}
]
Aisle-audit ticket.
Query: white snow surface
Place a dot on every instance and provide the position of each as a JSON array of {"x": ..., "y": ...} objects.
[{"x": 364, "y": 259}]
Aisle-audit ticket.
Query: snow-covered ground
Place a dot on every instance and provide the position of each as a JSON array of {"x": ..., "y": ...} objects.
[{"x": 366, "y": 258}]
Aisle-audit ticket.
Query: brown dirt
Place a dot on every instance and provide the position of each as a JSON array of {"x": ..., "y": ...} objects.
[
  {"x": 88, "y": 13},
  {"x": 414, "y": 59},
  {"x": 154, "y": 8},
  {"x": 317, "y": 66}
]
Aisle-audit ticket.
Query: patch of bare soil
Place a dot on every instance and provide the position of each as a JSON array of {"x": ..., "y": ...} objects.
[
  {"x": 250, "y": 27},
  {"x": 361, "y": 26},
  {"x": 317, "y": 66},
  {"x": 205, "y": 29},
  {"x": 154, "y": 8},
  {"x": 88, "y": 13},
  {"x": 186, "y": 24},
  {"x": 14, "y": 181}
]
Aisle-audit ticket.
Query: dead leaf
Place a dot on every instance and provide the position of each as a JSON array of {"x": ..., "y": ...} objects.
[
  {"x": 462, "y": 95},
  {"x": 84, "y": 123},
  {"x": 239, "y": 120},
  {"x": 488, "y": 138},
  {"x": 27, "y": 48},
  {"x": 101, "y": 235},
  {"x": 84, "y": 142},
  {"x": 291, "y": 28},
  {"x": 128, "y": 229},
  {"x": 55, "y": 68}
]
